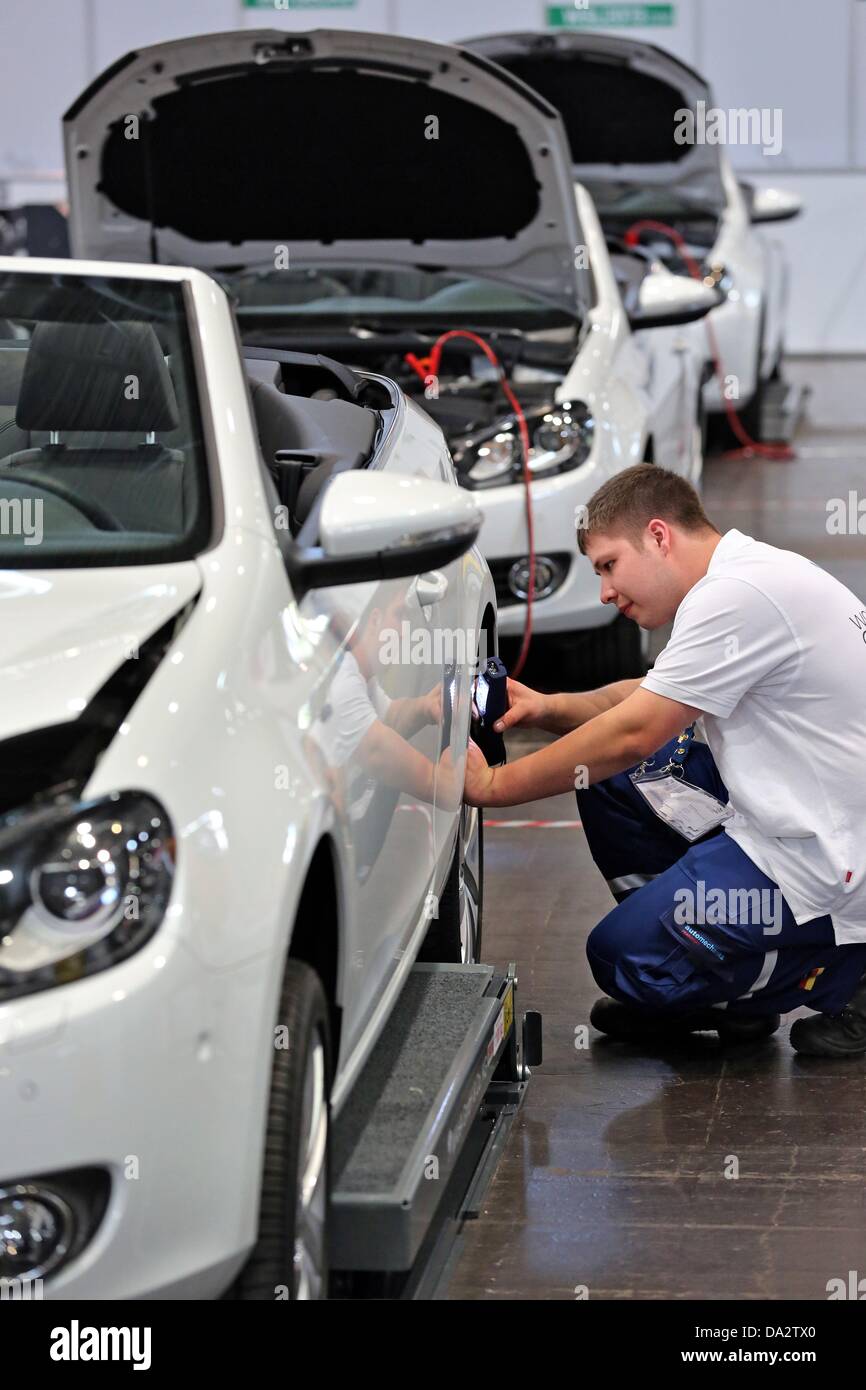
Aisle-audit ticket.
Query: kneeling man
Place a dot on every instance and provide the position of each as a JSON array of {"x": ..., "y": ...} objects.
[{"x": 738, "y": 864}]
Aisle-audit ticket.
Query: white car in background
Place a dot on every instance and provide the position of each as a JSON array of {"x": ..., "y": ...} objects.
[
  {"x": 361, "y": 194},
  {"x": 619, "y": 99},
  {"x": 226, "y": 820}
]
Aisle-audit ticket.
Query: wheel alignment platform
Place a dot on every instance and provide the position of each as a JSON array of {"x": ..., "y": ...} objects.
[{"x": 450, "y": 1050}]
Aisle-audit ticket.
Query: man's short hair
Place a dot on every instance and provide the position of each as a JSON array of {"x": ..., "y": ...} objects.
[{"x": 627, "y": 503}]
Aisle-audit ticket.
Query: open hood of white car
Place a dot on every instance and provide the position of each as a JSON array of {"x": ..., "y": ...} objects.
[
  {"x": 237, "y": 149},
  {"x": 619, "y": 100},
  {"x": 65, "y": 632}
]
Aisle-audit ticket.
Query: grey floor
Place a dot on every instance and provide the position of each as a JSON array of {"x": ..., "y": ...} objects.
[{"x": 617, "y": 1181}]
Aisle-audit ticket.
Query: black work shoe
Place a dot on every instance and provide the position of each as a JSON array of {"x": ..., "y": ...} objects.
[
  {"x": 633, "y": 1025},
  {"x": 834, "y": 1035},
  {"x": 830, "y": 1035},
  {"x": 737, "y": 1028}
]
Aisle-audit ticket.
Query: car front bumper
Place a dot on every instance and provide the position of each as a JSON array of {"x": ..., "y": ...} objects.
[
  {"x": 736, "y": 325},
  {"x": 146, "y": 1073},
  {"x": 575, "y": 603}
]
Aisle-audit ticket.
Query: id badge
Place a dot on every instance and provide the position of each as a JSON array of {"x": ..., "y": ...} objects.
[{"x": 685, "y": 808}]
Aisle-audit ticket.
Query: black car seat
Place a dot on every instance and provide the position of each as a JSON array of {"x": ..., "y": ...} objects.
[
  {"x": 13, "y": 356},
  {"x": 104, "y": 379}
]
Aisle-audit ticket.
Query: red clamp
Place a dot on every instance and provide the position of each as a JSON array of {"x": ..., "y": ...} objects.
[{"x": 422, "y": 365}]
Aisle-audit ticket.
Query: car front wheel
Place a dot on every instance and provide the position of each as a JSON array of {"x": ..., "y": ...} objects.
[
  {"x": 289, "y": 1259},
  {"x": 454, "y": 934}
]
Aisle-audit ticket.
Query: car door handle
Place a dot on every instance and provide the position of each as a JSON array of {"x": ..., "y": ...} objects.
[{"x": 430, "y": 588}]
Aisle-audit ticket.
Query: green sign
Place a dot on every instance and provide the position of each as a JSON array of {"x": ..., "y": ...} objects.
[
  {"x": 299, "y": 4},
  {"x": 614, "y": 16}
]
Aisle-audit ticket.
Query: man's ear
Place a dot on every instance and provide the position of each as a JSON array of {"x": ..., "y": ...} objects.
[{"x": 660, "y": 534}]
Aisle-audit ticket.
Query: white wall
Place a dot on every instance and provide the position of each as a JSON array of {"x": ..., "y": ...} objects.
[{"x": 807, "y": 59}]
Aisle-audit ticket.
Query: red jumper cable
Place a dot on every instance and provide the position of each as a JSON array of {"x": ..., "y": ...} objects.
[
  {"x": 748, "y": 447},
  {"x": 429, "y": 366}
]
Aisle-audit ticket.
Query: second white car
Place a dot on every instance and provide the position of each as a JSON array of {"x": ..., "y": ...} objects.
[{"x": 364, "y": 194}]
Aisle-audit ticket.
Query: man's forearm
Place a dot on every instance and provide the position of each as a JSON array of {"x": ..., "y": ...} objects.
[
  {"x": 389, "y": 759},
  {"x": 406, "y": 715},
  {"x": 604, "y": 745},
  {"x": 570, "y": 711}
]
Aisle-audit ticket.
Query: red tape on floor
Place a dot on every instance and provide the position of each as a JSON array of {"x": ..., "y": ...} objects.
[{"x": 532, "y": 824}]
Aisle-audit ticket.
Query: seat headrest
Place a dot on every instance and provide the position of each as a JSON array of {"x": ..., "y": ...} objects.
[{"x": 96, "y": 376}]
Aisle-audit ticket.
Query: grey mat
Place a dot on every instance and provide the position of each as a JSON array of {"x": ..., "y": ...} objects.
[{"x": 381, "y": 1122}]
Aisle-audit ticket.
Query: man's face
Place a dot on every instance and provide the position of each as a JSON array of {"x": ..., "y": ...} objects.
[
  {"x": 639, "y": 579},
  {"x": 377, "y": 623}
]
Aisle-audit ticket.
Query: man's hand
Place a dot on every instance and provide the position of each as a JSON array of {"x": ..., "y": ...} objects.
[
  {"x": 604, "y": 745},
  {"x": 449, "y": 788},
  {"x": 409, "y": 713},
  {"x": 431, "y": 704},
  {"x": 479, "y": 777},
  {"x": 527, "y": 708},
  {"x": 559, "y": 714}
]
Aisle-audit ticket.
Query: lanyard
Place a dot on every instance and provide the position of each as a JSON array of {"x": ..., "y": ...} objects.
[
  {"x": 684, "y": 740},
  {"x": 677, "y": 758}
]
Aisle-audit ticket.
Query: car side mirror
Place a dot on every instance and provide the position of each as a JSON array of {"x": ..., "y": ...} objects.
[
  {"x": 773, "y": 205},
  {"x": 665, "y": 300},
  {"x": 374, "y": 526}
]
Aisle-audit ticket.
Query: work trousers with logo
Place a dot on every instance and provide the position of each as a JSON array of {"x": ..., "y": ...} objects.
[{"x": 700, "y": 924}]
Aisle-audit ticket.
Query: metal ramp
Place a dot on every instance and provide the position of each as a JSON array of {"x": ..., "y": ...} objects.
[{"x": 425, "y": 1118}]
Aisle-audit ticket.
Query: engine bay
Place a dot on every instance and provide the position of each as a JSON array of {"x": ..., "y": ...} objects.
[{"x": 465, "y": 397}]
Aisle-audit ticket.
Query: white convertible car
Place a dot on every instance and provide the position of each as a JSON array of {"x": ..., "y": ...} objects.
[
  {"x": 621, "y": 101},
  {"x": 230, "y": 774},
  {"x": 362, "y": 194}
]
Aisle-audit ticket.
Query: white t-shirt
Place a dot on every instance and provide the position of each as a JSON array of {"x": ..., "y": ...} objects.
[
  {"x": 772, "y": 649},
  {"x": 353, "y": 706}
]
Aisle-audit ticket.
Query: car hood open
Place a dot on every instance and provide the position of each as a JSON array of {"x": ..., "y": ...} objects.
[
  {"x": 618, "y": 99},
  {"x": 67, "y": 631},
  {"x": 225, "y": 150}
]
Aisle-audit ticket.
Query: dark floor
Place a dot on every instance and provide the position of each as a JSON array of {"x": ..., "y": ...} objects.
[{"x": 617, "y": 1181}]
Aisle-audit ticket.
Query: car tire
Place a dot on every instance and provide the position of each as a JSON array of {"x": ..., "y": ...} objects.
[
  {"x": 454, "y": 934},
  {"x": 701, "y": 440},
  {"x": 750, "y": 415},
  {"x": 587, "y": 660},
  {"x": 290, "y": 1257}
]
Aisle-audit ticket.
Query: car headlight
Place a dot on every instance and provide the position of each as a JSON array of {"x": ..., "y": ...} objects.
[
  {"x": 560, "y": 438},
  {"x": 81, "y": 888}
]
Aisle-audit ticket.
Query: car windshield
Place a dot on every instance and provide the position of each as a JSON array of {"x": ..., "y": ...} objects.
[
  {"x": 382, "y": 297},
  {"x": 102, "y": 459},
  {"x": 621, "y": 198}
]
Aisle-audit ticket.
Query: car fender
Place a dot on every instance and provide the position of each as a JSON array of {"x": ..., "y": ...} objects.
[{"x": 222, "y": 717}]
